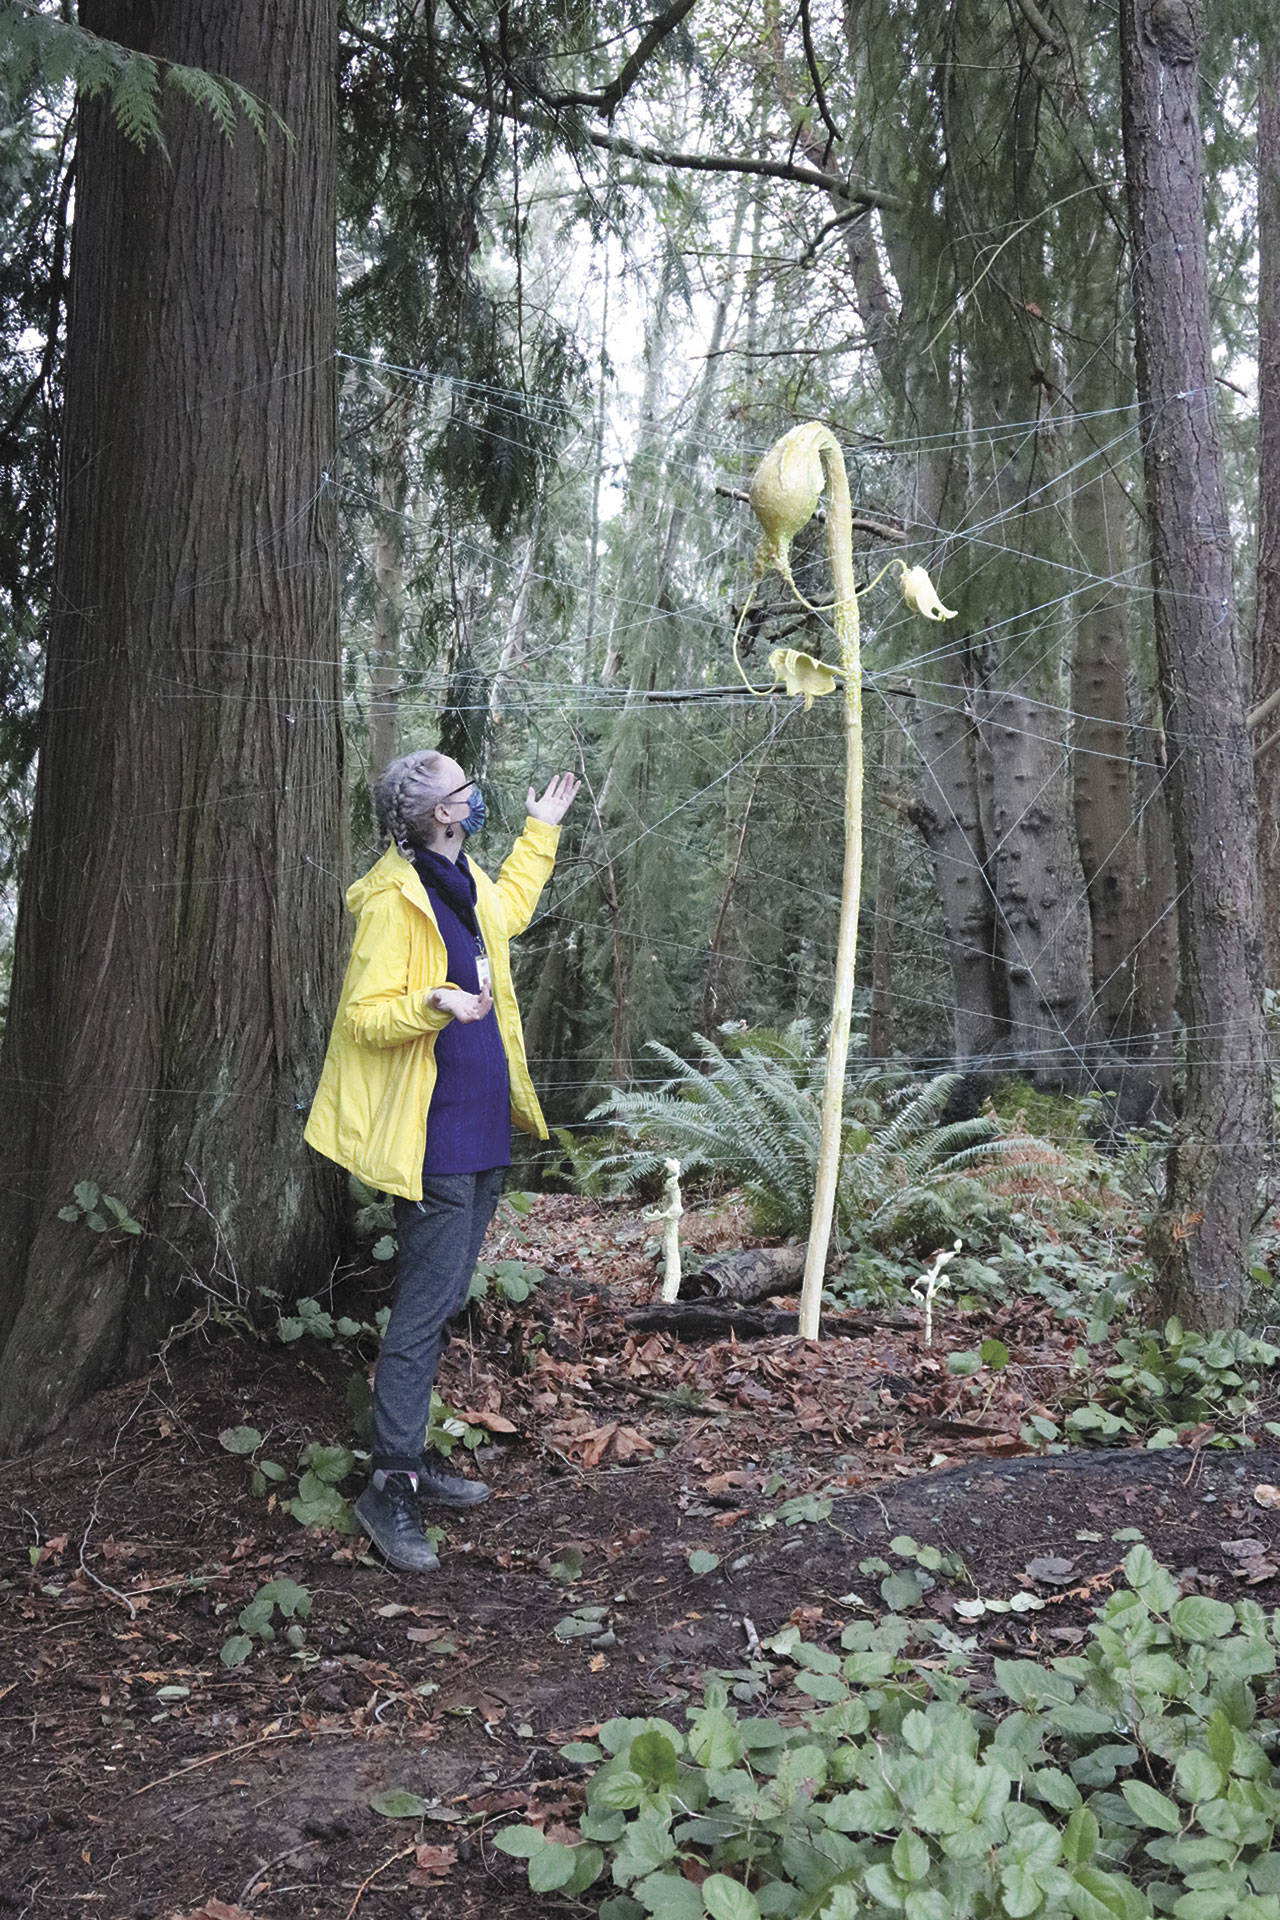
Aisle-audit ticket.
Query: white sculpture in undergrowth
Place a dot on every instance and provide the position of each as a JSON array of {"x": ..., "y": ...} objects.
[{"x": 784, "y": 494}]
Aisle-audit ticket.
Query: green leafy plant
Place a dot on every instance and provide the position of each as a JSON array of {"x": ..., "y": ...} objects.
[
  {"x": 309, "y": 1317},
  {"x": 750, "y": 1118},
  {"x": 1165, "y": 1380},
  {"x": 321, "y": 1471},
  {"x": 101, "y": 1212},
  {"x": 318, "y": 1503},
  {"x": 1131, "y": 1779},
  {"x": 278, "y": 1610},
  {"x": 447, "y": 1429},
  {"x": 512, "y": 1280}
]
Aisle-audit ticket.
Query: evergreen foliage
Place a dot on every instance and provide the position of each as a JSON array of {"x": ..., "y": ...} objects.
[
  {"x": 748, "y": 1117},
  {"x": 64, "y": 55}
]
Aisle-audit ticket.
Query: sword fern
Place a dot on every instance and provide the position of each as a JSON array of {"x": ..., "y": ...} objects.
[{"x": 749, "y": 1118}]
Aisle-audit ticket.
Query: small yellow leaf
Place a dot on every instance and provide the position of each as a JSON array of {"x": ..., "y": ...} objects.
[
  {"x": 802, "y": 673},
  {"x": 921, "y": 596}
]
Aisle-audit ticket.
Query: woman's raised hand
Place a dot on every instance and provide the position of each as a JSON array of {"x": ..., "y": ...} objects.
[{"x": 555, "y": 802}]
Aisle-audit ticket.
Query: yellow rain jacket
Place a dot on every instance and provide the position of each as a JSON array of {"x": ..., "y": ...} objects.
[{"x": 370, "y": 1112}]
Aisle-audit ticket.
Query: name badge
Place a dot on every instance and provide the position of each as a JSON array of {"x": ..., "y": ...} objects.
[{"x": 483, "y": 974}]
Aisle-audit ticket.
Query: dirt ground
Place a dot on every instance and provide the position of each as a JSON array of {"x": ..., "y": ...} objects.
[{"x": 144, "y": 1779}]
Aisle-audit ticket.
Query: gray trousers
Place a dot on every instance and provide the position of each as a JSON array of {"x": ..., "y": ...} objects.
[{"x": 438, "y": 1241}]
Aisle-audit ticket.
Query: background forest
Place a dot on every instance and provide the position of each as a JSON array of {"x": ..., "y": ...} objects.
[{"x": 592, "y": 261}]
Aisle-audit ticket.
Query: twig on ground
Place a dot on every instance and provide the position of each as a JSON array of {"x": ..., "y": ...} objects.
[
  {"x": 88, "y": 1571},
  {"x": 250, "y": 1886},
  {"x": 365, "y": 1885},
  {"x": 223, "y": 1753}
]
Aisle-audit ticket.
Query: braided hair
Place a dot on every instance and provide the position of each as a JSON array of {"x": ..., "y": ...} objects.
[{"x": 405, "y": 794}]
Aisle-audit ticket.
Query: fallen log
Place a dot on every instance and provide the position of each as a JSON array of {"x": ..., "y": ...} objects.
[
  {"x": 753, "y": 1273},
  {"x": 710, "y": 1320}
]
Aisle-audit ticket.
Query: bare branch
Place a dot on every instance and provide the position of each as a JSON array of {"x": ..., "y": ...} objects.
[
  {"x": 656, "y": 32},
  {"x": 1263, "y": 711},
  {"x": 819, "y": 91},
  {"x": 854, "y": 196},
  {"x": 1039, "y": 25}
]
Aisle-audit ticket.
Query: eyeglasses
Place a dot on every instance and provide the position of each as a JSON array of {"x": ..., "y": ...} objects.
[{"x": 465, "y": 788}]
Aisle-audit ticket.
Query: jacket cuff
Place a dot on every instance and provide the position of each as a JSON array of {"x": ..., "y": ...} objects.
[
  {"x": 433, "y": 1019},
  {"x": 543, "y": 834}
]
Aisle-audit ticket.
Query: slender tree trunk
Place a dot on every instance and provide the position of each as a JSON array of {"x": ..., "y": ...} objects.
[
  {"x": 1157, "y": 934},
  {"x": 948, "y": 810},
  {"x": 388, "y": 567},
  {"x": 1118, "y": 814},
  {"x": 597, "y": 481},
  {"x": 1266, "y": 634},
  {"x": 1201, "y": 1240},
  {"x": 1104, "y": 809},
  {"x": 880, "y": 1031},
  {"x": 512, "y": 656},
  {"x": 179, "y": 934}
]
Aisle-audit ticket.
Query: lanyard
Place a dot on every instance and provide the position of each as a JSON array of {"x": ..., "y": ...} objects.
[{"x": 483, "y": 973}]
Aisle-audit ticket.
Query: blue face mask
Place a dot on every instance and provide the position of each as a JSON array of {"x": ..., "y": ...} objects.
[{"x": 475, "y": 813}]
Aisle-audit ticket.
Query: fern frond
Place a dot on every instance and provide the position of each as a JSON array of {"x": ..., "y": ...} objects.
[{"x": 748, "y": 1116}]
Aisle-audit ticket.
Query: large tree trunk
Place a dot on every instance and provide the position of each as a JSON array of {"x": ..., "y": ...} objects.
[
  {"x": 1201, "y": 1239},
  {"x": 949, "y": 815},
  {"x": 1035, "y": 870},
  {"x": 179, "y": 931},
  {"x": 1266, "y": 633}
]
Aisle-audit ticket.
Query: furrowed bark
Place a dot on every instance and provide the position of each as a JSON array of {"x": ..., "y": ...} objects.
[
  {"x": 1266, "y": 633},
  {"x": 1200, "y": 1242},
  {"x": 1035, "y": 870},
  {"x": 179, "y": 932}
]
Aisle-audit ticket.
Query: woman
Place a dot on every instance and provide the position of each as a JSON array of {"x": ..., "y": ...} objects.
[{"x": 425, "y": 1072}]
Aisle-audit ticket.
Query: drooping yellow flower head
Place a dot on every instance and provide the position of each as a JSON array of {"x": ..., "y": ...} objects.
[
  {"x": 920, "y": 594},
  {"x": 801, "y": 673},
  {"x": 785, "y": 491}
]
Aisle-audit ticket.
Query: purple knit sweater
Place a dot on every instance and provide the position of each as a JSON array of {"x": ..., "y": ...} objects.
[{"x": 469, "y": 1119}]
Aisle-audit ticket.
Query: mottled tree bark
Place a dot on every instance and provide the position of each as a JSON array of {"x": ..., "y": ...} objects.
[
  {"x": 1200, "y": 1242},
  {"x": 1035, "y": 870},
  {"x": 949, "y": 815},
  {"x": 1266, "y": 632},
  {"x": 178, "y": 938},
  {"x": 885, "y": 888}
]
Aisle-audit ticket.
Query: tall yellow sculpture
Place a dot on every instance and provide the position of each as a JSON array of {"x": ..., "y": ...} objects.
[{"x": 784, "y": 494}]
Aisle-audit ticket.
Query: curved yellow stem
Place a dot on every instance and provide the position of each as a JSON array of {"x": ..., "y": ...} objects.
[
  {"x": 784, "y": 493},
  {"x": 760, "y": 693},
  {"x": 849, "y": 648}
]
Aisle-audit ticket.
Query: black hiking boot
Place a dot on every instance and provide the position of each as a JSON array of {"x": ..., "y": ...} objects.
[
  {"x": 448, "y": 1489},
  {"x": 388, "y": 1512}
]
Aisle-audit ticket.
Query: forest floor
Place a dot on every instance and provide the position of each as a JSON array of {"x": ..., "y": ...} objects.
[{"x": 695, "y": 1496}]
